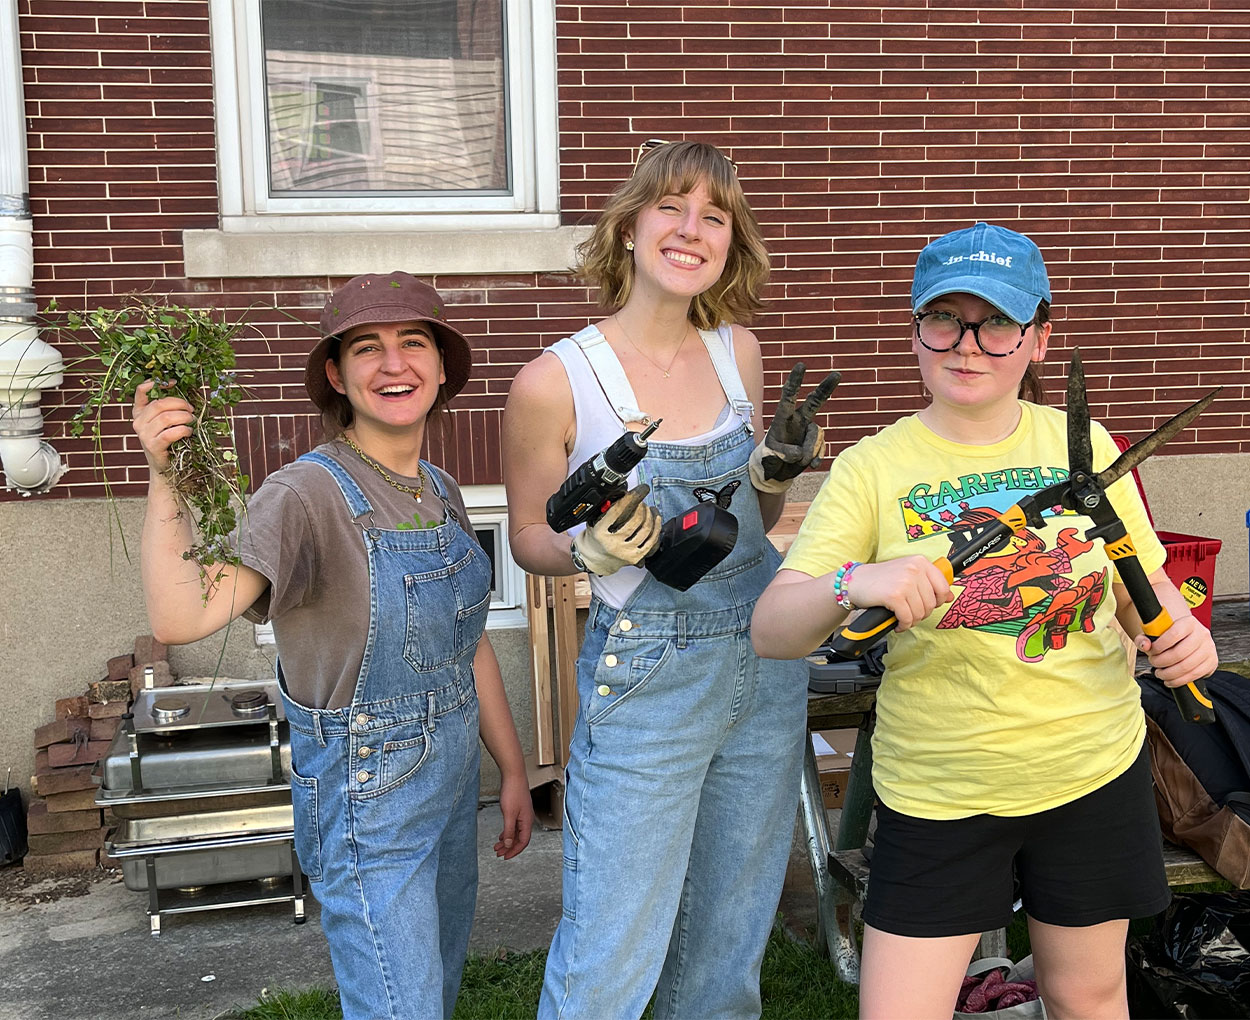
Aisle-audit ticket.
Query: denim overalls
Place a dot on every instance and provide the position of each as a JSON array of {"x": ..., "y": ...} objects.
[
  {"x": 683, "y": 780},
  {"x": 385, "y": 792}
]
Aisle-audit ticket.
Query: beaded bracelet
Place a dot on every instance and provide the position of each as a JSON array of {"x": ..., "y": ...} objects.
[{"x": 841, "y": 584}]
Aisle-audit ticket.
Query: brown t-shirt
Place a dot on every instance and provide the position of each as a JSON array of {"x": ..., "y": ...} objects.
[{"x": 299, "y": 534}]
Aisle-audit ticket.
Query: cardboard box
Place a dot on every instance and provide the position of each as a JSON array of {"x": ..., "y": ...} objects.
[{"x": 834, "y": 751}]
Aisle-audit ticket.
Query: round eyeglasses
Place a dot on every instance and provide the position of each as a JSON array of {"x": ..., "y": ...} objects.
[{"x": 997, "y": 335}]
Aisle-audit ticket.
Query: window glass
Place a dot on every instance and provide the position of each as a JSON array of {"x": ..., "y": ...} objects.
[
  {"x": 385, "y": 97},
  {"x": 486, "y": 539}
]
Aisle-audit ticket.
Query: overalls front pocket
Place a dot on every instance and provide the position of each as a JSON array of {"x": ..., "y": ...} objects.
[
  {"x": 446, "y": 612},
  {"x": 621, "y": 674},
  {"x": 404, "y": 750}
]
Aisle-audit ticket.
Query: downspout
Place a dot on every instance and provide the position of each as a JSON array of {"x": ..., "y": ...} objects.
[{"x": 27, "y": 364}]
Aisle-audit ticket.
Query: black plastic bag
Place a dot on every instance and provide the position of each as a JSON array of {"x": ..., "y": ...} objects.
[
  {"x": 12, "y": 827},
  {"x": 1196, "y": 964}
]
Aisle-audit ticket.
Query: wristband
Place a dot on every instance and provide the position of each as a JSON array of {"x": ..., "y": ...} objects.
[
  {"x": 841, "y": 584},
  {"x": 576, "y": 557}
]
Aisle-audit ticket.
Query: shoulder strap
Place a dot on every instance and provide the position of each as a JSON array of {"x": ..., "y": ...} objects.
[
  {"x": 611, "y": 376},
  {"x": 727, "y": 373},
  {"x": 437, "y": 480},
  {"x": 353, "y": 494}
]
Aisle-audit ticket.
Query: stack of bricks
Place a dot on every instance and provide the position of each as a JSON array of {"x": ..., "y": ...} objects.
[{"x": 66, "y": 830}]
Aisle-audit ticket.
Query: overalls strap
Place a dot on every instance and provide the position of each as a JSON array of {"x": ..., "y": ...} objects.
[
  {"x": 730, "y": 379},
  {"x": 594, "y": 345}
]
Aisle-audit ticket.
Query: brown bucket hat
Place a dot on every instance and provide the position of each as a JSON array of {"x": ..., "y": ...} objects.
[{"x": 383, "y": 299}]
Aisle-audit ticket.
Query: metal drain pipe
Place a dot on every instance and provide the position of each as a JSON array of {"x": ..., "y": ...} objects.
[{"x": 27, "y": 364}]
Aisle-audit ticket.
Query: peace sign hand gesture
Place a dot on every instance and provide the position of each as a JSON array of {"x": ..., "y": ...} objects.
[{"x": 794, "y": 440}]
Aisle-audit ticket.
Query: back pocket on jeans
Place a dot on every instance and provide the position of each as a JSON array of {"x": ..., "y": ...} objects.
[{"x": 307, "y": 827}]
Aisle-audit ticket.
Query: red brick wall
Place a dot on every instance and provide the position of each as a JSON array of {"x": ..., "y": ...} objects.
[{"x": 1115, "y": 133}]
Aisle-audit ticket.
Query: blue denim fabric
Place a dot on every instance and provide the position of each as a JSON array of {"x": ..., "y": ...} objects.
[
  {"x": 683, "y": 781},
  {"x": 385, "y": 792}
]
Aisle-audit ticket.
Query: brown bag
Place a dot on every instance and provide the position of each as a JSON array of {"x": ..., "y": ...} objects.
[{"x": 1189, "y": 816}]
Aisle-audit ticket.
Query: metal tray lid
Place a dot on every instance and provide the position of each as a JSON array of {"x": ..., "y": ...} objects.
[{"x": 209, "y": 703}]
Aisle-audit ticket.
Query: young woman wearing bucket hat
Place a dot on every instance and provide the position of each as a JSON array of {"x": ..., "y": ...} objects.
[
  {"x": 684, "y": 771},
  {"x": 361, "y": 555},
  {"x": 1009, "y": 729}
]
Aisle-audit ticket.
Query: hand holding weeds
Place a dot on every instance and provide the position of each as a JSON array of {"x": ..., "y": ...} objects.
[
  {"x": 159, "y": 422},
  {"x": 186, "y": 430}
]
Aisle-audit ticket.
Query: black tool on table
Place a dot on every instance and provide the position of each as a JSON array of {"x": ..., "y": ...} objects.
[{"x": 1084, "y": 491}]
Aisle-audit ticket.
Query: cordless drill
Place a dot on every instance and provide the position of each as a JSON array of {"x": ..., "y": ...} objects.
[
  {"x": 691, "y": 543},
  {"x": 589, "y": 491}
]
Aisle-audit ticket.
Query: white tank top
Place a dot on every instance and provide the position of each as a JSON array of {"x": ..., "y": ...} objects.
[{"x": 604, "y": 402}]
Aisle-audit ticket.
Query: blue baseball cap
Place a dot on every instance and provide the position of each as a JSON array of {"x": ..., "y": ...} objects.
[{"x": 1001, "y": 266}]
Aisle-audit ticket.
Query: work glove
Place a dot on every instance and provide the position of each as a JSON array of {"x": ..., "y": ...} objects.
[
  {"x": 793, "y": 441},
  {"x": 626, "y": 535}
]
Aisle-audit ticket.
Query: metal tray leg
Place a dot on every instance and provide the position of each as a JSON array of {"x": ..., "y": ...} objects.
[
  {"x": 154, "y": 904},
  {"x": 297, "y": 886},
  {"x": 831, "y": 901}
]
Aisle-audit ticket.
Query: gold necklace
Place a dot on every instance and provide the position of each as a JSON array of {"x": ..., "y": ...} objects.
[
  {"x": 415, "y": 493},
  {"x": 631, "y": 343}
]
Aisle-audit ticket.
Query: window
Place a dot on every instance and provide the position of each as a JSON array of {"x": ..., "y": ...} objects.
[
  {"x": 386, "y": 114},
  {"x": 489, "y": 515}
]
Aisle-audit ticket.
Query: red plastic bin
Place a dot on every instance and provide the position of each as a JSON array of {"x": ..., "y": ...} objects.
[{"x": 1190, "y": 560}]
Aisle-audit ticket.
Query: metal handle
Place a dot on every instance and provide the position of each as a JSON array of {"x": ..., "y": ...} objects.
[
  {"x": 873, "y": 624},
  {"x": 1192, "y": 699}
]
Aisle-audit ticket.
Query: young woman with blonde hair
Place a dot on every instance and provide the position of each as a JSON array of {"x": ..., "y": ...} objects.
[{"x": 685, "y": 758}]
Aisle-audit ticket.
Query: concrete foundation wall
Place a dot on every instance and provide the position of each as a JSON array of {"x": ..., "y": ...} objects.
[
  {"x": 69, "y": 603},
  {"x": 70, "y": 599}
]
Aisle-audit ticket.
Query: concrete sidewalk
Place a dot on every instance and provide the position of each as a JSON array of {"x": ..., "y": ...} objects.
[{"x": 79, "y": 947}]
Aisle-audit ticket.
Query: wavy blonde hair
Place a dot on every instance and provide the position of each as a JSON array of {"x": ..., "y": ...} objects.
[{"x": 677, "y": 169}]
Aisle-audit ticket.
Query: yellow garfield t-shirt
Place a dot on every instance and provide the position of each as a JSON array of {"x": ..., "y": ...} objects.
[{"x": 1016, "y": 697}]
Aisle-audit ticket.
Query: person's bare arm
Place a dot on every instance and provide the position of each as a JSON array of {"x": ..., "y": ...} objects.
[
  {"x": 180, "y": 610},
  {"x": 751, "y": 370},
  {"x": 797, "y": 612},
  {"x": 537, "y": 428},
  {"x": 1182, "y": 653},
  {"x": 500, "y": 737}
]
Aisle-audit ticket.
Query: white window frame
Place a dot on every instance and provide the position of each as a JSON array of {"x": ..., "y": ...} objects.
[
  {"x": 242, "y": 145},
  {"x": 488, "y": 508}
]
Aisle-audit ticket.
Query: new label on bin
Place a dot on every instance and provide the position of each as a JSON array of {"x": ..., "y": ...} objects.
[{"x": 1194, "y": 591}]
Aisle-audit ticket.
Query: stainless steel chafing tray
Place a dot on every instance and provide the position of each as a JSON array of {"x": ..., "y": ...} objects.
[
  {"x": 208, "y": 848},
  {"x": 206, "y": 825},
  {"x": 193, "y": 763},
  {"x": 198, "y": 777}
]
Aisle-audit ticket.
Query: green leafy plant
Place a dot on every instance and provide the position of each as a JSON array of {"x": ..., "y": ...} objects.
[{"x": 188, "y": 352}]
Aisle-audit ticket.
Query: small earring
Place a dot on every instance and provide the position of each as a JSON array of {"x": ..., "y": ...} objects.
[{"x": 629, "y": 245}]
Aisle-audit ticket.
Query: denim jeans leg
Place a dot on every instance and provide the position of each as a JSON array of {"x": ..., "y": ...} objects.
[
  {"x": 403, "y": 847},
  {"x": 456, "y": 887},
  {"x": 738, "y": 859},
  {"x": 635, "y": 778}
]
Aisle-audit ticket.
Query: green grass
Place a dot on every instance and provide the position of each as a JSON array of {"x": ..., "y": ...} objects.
[
  {"x": 796, "y": 983},
  {"x": 1242, "y": 667},
  {"x": 313, "y": 1004}
]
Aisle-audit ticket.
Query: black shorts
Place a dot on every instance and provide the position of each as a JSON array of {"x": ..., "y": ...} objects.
[{"x": 1099, "y": 858}]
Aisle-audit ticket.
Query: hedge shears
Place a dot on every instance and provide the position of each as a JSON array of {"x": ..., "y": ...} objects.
[{"x": 1085, "y": 492}]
